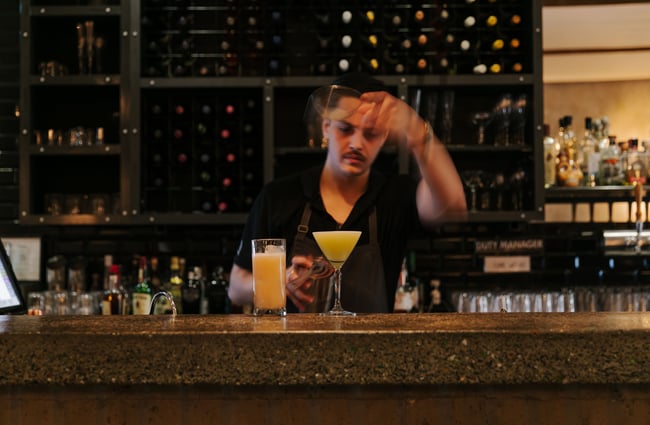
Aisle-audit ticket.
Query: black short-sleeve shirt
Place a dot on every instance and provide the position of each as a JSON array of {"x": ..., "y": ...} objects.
[{"x": 278, "y": 209}]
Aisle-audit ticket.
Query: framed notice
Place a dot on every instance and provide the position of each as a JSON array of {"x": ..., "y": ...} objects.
[{"x": 25, "y": 256}]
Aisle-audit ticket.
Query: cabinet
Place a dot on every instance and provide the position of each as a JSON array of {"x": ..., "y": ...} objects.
[{"x": 200, "y": 103}]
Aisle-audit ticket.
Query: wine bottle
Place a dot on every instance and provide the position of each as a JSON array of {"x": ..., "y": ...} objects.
[
  {"x": 514, "y": 43},
  {"x": 274, "y": 66},
  {"x": 216, "y": 293},
  {"x": 368, "y": 18},
  {"x": 422, "y": 41},
  {"x": 418, "y": 17},
  {"x": 276, "y": 17},
  {"x": 497, "y": 44},
  {"x": 469, "y": 21},
  {"x": 491, "y": 21},
  {"x": 346, "y": 17},
  {"x": 421, "y": 65},
  {"x": 344, "y": 65},
  {"x": 371, "y": 65},
  {"x": 141, "y": 297},
  {"x": 175, "y": 282},
  {"x": 191, "y": 292},
  {"x": 496, "y": 68},
  {"x": 346, "y": 41}
]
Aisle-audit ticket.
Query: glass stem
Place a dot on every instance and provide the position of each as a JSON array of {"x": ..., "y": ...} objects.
[{"x": 337, "y": 290}]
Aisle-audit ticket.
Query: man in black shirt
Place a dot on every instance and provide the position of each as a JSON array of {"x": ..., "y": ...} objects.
[{"x": 356, "y": 116}]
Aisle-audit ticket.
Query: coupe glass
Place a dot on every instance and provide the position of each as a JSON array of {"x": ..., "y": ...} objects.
[{"x": 337, "y": 246}]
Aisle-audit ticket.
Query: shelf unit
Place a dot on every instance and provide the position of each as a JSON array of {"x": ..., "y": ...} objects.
[{"x": 122, "y": 95}]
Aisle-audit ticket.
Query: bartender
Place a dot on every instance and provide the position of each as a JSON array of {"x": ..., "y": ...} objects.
[{"x": 355, "y": 116}]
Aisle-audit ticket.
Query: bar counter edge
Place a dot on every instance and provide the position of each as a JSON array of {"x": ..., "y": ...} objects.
[{"x": 310, "y": 350}]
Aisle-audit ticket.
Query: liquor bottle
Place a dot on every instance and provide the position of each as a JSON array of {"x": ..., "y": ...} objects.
[
  {"x": 588, "y": 157},
  {"x": 108, "y": 262},
  {"x": 216, "y": 293},
  {"x": 114, "y": 299},
  {"x": 551, "y": 151},
  {"x": 406, "y": 296},
  {"x": 567, "y": 137},
  {"x": 437, "y": 304},
  {"x": 191, "y": 292},
  {"x": 609, "y": 169},
  {"x": 156, "y": 282},
  {"x": 175, "y": 283},
  {"x": 141, "y": 296},
  {"x": 637, "y": 164}
]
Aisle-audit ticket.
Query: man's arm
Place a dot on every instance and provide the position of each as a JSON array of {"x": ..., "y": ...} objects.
[
  {"x": 440, "y": 195},
  {"x": 240, "y": 290}
]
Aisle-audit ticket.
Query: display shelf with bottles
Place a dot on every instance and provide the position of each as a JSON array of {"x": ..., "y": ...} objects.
[{"x": 177, "y": 169}]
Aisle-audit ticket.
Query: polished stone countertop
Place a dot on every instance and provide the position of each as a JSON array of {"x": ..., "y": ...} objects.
[{"x": 305, "y": 349}]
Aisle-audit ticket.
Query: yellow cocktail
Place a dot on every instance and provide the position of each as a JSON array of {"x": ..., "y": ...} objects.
[{"x": 337, "y": 246}]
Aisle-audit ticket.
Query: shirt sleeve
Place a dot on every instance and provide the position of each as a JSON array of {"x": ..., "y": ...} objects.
[{"x": 256, "y": 227}]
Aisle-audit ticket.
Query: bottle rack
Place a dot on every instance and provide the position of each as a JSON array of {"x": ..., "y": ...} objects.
[{"x": 158, "y": 166}]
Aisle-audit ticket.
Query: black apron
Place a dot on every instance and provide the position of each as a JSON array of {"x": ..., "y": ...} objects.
[{"x": 363, "y": 288}]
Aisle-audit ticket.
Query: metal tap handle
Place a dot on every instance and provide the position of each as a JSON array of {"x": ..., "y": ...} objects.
[{"x": 164, "y": 294}]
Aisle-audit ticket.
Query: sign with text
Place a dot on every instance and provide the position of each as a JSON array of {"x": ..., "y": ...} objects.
[
  {"x": 507, "y": 246},
  {"x": 506, "y": 264}
]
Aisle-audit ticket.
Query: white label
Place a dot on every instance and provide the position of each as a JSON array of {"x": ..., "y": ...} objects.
[{"x": 507, "y": 264}]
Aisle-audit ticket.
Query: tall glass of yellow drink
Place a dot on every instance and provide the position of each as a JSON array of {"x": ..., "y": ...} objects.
[{"x": 269, "y": 276}]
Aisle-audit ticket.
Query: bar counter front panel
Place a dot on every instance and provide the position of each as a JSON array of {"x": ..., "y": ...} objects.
[{"x": 398, "y": 368}]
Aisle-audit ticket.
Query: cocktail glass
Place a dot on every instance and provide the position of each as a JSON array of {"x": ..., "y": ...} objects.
[
  {"x": 337, "y": 246},
  {"x": 473, "y": 180},
  {"x": 481, "y": 120}
]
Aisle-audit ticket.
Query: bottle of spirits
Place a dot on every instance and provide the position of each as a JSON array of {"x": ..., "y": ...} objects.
[
  {"x": 176, "y": 282},
  {"x": 436, "y": 305},
  {"x": 216, "y": 293},
  {"x": 141, "y": 296},
  {"x": 588, "y": 155},
  {"x": 108, "y": 262},
  {"x": 567, "y": 137},
  {"x": 191, "y": 292},
  {"x": 114, "y": 299},
  {"x": 636, "y": 171},
  {"x": 551, "y": 151},
  {"x": 407, "y": 295},
  {"x": 609, "y": 170}
]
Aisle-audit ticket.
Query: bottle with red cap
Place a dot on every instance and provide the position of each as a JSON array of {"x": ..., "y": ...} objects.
[{"x": 114, "y": 298}]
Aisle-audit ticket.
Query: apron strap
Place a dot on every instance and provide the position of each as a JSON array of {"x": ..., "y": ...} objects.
[
  {"x": 303, "y": 227},
  {"x": 372, "y": 224}
]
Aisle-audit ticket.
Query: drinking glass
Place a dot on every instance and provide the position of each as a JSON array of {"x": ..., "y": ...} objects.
[
  {"x": 473, "y": 180},
  {"x": 269, "y": 276},
  {"x": 502, "y": 117},
  {"x": 337, "y": 246},
  {"x": 481, "y": 121}
]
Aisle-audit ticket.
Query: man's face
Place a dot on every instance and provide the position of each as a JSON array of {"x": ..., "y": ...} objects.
[{"x": 353, "y": 146}]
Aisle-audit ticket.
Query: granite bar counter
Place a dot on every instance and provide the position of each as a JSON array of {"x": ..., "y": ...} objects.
[{"x": 408, "y": 368}]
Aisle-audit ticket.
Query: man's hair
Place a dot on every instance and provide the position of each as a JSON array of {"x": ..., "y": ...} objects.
[{"x": 360, "y": 81}]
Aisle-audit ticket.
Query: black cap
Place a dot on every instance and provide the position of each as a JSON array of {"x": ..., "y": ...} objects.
[{"x": 360, "y": 81}]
